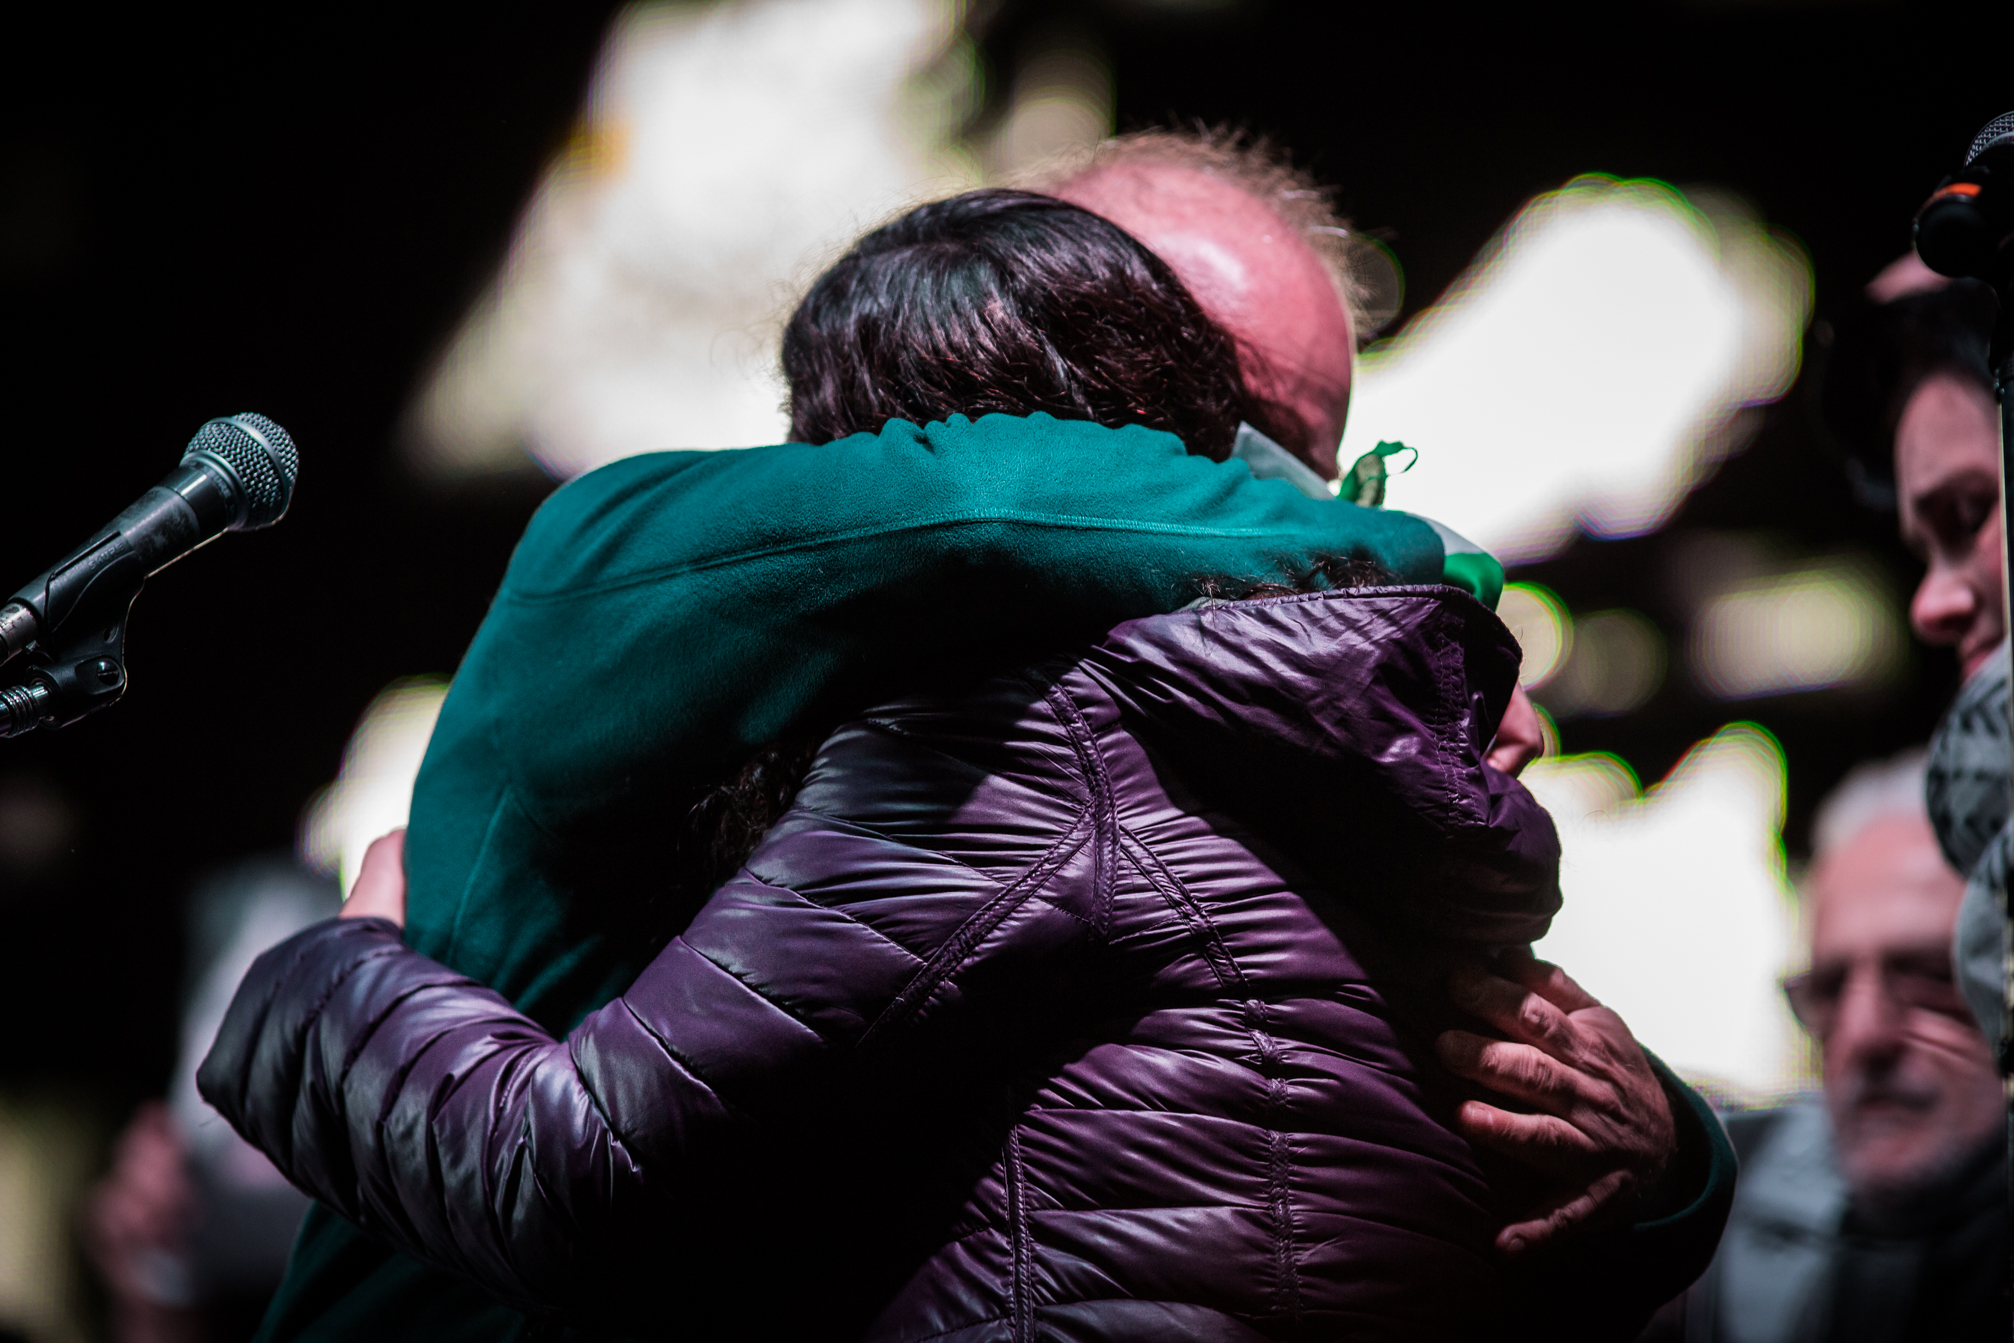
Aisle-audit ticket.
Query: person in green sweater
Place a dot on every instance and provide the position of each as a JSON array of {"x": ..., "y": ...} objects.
[{"x": 668, "y": 616}]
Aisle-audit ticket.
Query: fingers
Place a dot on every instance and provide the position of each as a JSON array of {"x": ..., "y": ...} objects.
[
  {"x": 1544, "y": 978},
  {"x": 1597, "y": 1042},
  {"x": 380, "y": 889},
  {"x": 1536, "y": 1233},
  {"x": 1518, "y": 1012},
  {"x": 1516, "y": 1070},
  {"x": 1546, "y": 1143},
  {"x": 1605, "y": 1129}
]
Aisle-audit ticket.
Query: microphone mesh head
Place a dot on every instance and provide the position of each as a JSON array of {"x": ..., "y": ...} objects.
[
  {"x": 262, "y": 458},
  {"x": 1998, "y": 128}
]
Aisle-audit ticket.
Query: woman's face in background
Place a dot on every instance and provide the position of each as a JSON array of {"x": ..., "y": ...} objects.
[{"x": 1947, "y": 476}]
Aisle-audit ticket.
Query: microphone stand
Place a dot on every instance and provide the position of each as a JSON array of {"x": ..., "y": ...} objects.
[
  {"x": 63, "y": 636},
  {"x": 74, "y": 647},
  {"x": 68, "y": 627}
]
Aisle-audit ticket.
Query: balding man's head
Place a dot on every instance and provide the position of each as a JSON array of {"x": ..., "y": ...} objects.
[{"x": 1242, "y": 231}]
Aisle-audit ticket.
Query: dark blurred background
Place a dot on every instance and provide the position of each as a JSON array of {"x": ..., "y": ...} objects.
[{"x": 289, "y": 213}]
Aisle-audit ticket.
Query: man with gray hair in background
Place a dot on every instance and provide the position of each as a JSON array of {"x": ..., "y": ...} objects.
[{"x": 1875, "y": 1210}]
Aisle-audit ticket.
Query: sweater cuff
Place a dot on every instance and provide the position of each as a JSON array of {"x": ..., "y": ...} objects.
[{"x": 1701, "y": 1178}]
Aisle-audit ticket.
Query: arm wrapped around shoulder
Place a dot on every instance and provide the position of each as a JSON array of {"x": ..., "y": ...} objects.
[{"x": 424, "y": 1109}]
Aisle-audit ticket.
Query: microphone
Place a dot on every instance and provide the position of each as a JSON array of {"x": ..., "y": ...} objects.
[
  {"x": 237, "y": 474},
  {"x": 1963, "y": 229}
]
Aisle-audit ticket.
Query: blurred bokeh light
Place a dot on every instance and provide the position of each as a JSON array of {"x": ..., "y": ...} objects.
[
  {"x": 1539, "y": 621},
  {"x": 1678, "y": 911},
  {"x": 1596, "y": 361},
  {"x": 1834, "y": 623},
  {"x": 1615, "y": 662},
  {"x": 519, "y": 244},
  {"x": 373, "y": 791},
  {"x": 1061, "y": 101},
  {"x": 46, "y": 1156},
  {"x": 1590, "y": 367},
  {"x": 727, "y": 151}
]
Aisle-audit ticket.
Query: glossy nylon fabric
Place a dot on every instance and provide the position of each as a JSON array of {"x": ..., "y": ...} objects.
[
  {"x": 1091, "y": 1002},
  {"x": 667, "y": 613}
]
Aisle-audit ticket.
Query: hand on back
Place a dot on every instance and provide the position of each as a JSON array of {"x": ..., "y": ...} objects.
[
  {"x": 380, "y": 888},
  {"x": 1593, "y": 1115}
]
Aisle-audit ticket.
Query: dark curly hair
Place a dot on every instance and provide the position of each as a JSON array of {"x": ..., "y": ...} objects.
[{"x": 1014, "y": 302}]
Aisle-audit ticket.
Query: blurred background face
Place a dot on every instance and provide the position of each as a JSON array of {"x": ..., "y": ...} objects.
[
  {"x": 1908, "y": 1079},
  {"x": 1255, "y": 276},
  {"x": 1947, "y": 446}
]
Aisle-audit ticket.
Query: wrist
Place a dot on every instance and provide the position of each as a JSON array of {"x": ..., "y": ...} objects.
[{"x": 1684, "y": 1175}]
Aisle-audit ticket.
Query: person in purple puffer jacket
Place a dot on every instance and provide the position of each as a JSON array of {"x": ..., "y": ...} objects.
[{"x": 1096, "y": 1000}]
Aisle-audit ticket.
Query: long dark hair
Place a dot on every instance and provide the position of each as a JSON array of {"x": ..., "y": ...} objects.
[{"x": 1013, "y": 302}]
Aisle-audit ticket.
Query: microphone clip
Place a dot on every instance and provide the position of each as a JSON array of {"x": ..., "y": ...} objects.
[
  {"x": 70, "y": 630},
  {"x": 68, "y": 627}
]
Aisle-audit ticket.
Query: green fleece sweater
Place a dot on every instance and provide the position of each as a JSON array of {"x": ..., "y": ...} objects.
[{"x": 666, "y": 614}]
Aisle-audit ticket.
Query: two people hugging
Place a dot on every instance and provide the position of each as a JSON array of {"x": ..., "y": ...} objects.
[{"x": 1008, "y": 865}]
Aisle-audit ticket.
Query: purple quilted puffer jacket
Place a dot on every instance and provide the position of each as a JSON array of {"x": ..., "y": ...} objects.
[{"x": 1091, "y": 1003}]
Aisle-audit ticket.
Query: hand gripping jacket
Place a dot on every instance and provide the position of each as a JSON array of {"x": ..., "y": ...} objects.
[{"x": 1088, "y": 1003}]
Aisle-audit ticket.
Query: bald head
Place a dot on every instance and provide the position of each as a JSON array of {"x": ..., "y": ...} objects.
[{"x": 1256, "y": 275}]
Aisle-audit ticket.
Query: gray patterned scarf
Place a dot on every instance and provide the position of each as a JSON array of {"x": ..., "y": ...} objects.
[{"x": 1971, "y": 760}]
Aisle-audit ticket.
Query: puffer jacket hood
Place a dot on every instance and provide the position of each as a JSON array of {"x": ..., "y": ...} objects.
[{"x": 1092, "y": 1002}]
